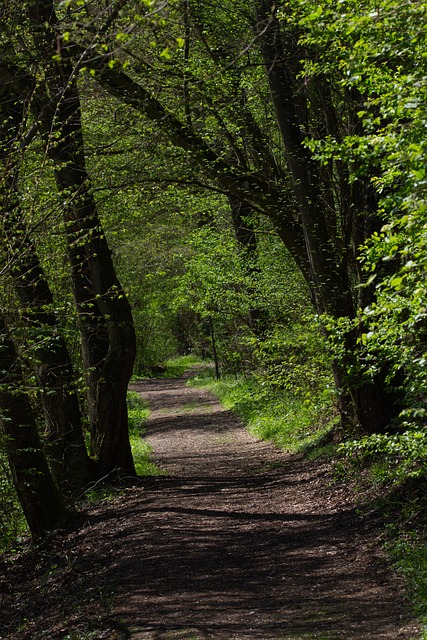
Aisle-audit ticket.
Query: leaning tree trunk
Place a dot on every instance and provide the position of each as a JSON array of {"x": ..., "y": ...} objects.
[
  {"x": 108, "y": 335},
  {"x": 104, "y": 311},
  {"x": 41, "y": 502},
  {"x": 70, "y": 463}
]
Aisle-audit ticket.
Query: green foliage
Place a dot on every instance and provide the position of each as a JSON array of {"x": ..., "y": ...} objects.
[
  {"x": 138, "y": 413},
  {"x": 214, "y": 280},
  {"x": 293, "y": 357},
  {"x": 395, "y": 324},
  {"x": 215, "y": 287},
  {"x": 100, "y": 493},
  {"x": 138, "y": 410},
  {"x": 376, "y": 52},
  {"x": 402, "y": 455},
  {"x": 176, "y": 367},
  {"x": 286, "y": 394},
  {"x": 409, "y": 552},
  {"x": 12, "y": 521},
  {"x": 141, "y": 452},
  {"x": 289, "y": 420}
]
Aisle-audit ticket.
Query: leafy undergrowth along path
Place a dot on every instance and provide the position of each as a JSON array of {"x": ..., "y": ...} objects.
[{"x": 239, "y": 541}]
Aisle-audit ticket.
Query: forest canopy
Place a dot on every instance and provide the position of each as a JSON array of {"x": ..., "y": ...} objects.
[{"x": 179, "y": 172}]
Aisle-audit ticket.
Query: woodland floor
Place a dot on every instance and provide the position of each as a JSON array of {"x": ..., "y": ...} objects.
[{"x": 239, "y": 541}]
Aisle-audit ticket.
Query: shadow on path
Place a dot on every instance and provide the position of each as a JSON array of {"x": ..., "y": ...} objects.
[{"x": 240, "y": 541}]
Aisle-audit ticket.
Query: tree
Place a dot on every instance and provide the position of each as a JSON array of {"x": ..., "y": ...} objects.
[
  {"x": 319, "y": 214},
  {"x": 392, "y": 324},
  {"x": 108, "y": 338},
  {"x": 40, "y": 499},
  {"x": 42, "y": 105},
  {"x": 70, "y": 463}
]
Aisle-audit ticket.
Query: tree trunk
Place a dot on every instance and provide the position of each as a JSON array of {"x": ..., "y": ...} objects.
[
  {"x": 104, "y": 311},
  {"x": 41, "y": 502},
  {"x": 70, "y": 463},
  {"x": 109, "y": 343},
  {"x": 331, "y": 290},
  {"x": 328, "y": 255},
  {"x": 214, "y": 351},
  {"x": 242, "y": 218}
]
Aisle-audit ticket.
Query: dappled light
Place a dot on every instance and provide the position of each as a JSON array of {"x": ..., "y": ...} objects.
[{"x": 238, "y": 189}]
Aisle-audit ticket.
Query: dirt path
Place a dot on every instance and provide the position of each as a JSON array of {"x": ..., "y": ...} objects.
[
  {"x": 244, "y": 542},
  {"x": 239, "y": 541}
]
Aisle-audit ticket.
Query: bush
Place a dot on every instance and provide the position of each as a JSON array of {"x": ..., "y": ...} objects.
[{"x": 402, "y": 455}]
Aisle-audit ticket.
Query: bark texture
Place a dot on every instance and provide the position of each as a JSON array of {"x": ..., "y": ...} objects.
[
  {"x": 70, "y": 463},
  {"x": 105, "y": 316},
  {"x": 41, "y": 502}
]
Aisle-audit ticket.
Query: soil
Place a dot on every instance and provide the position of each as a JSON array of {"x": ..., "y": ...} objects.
[{"x": 237, "y": 541}]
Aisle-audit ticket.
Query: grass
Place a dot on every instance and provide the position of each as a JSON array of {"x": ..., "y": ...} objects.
[
  {"x": 292, "y": 422},
  {"x": 408, "y": 550},
  {"x": 406, "y": 514},
  {"x": 13, "y": 526},
  {"x": 176, "y": 367},
  {"x": 138, "y": 413},
  {"x": 172, "y": 368}
]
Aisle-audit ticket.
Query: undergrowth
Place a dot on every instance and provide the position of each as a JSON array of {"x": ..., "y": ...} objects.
[
  {"x": 405, "y": 512},
  {"x": 138, "y": 412},
  {"x": 408, "y": 551},
  {"x": 407, "y": 548},
  {"x": 12, "y": 522},
  {"x": 176, "y": 367},
  {"x": 172, "y": 368},
  {"x": 295, "y": 423}
]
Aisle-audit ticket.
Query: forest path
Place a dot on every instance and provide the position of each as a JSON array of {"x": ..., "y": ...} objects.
[
  {"x": 242, "y": 541},
  {"x": 238, "y": 542}
]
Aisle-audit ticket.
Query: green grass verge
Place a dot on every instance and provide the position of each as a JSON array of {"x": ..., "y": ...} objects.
[
  {"x": 405, "y": 507},
  {"x": 293, "y": 423},
  {"x": 172, "y": 368},
  {"x": 138, "y": 413},
  {"x": 409, "y": 553}
]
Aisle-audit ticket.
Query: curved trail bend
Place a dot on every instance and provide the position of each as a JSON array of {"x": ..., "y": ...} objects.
[{"x": 242, "y": 541}]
